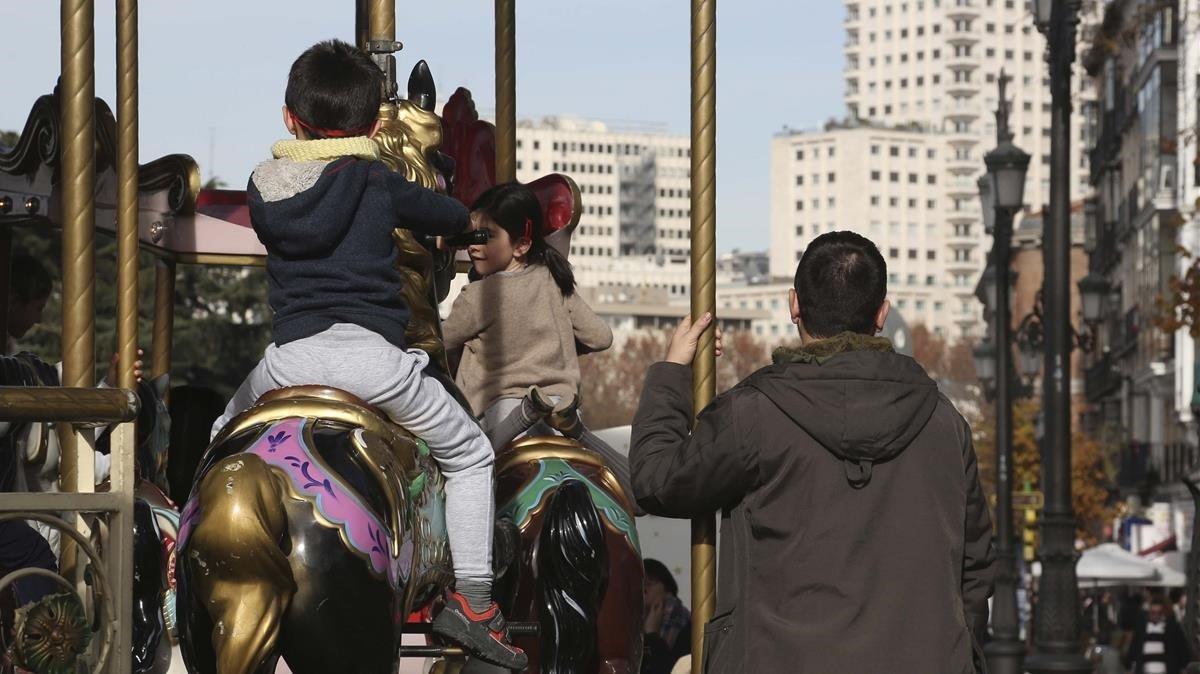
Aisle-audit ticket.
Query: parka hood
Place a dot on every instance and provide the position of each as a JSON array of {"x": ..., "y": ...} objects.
[{"x": 854, "y": 395}]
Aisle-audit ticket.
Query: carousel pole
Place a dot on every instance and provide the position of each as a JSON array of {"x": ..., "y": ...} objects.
[
  {"x": 78, "y": 174},
  {"x": 164, "y": 317},
  {"x": 124, "y": 438},
  {"x": 704, "y": 291},
  {"x": 79, "y": 222},
  {"x": 506, "y": 90}
]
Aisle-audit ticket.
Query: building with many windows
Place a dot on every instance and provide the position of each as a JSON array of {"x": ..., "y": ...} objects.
[
  {"x": 930, "y": 67},
  {"x": 1140, "y": 377},
  {"x": 636, "y": 190},
  {"x": 885, "y": 184}
]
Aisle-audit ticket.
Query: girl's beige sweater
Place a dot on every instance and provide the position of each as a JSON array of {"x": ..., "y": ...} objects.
[{"x": 515, "y": 330}]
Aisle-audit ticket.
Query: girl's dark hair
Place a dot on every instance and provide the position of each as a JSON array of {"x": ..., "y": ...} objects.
[{"x": 515, "y": 208}]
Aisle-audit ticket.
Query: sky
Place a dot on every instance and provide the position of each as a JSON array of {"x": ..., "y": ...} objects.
[{"x": 213, "y": 73}]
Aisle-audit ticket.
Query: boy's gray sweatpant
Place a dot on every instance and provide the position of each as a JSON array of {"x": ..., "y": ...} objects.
[{"x": 362, "y": 362}]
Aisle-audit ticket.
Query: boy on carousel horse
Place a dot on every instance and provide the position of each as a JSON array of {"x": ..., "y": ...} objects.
[{"x": 325, "y": 208}]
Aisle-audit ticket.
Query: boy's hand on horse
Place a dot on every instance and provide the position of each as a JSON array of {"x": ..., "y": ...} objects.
[{"x": 682, "y": 349}]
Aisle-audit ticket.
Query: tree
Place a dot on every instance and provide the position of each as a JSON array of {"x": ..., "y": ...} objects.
[
  {"x": 1091, "y": 473},
  {"x": 8, "y": 139},
  {"x": 612, "y": 380}
]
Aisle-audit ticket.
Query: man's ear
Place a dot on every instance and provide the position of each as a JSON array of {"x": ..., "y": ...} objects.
[
  {"x": 881, "y": 316},
  {"x": 794, "y": 305}
]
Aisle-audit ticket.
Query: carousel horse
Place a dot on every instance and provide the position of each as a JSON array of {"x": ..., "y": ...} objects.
[
  {"x": 316, "y": 527},
  {"x": 34, "y": 464}
]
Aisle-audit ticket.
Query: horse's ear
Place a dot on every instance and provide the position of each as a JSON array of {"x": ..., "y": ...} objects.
[
  {"x": 422, "y": 92},
  {"x": 161, "y": 384}
]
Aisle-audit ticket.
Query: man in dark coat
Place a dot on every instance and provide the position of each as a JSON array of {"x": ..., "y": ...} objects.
[{"x": 854, "y": 535}]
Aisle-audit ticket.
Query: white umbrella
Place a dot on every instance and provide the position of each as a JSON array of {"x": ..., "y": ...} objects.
[{"x": 1110, "y": 564}]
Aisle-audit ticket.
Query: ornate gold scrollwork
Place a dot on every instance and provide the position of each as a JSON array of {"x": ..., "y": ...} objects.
[{"x": 407, "y": 138}]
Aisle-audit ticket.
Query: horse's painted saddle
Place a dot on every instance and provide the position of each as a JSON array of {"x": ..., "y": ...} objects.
[{"x": 364, "y": 476}]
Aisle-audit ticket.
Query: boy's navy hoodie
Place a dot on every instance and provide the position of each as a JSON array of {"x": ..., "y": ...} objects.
[{"x": 327, "y": 226}]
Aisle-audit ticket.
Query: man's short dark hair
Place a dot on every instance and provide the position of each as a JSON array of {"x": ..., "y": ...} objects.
[
  {"x": 334, "y": 86},
  {"x": 28, "y": 278},
  {"x": 841, "y": 282},
  {"x": 656, "y": 570}
]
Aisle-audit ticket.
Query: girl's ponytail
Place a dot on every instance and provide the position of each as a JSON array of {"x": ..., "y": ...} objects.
[{"x": 560, "y": 270}]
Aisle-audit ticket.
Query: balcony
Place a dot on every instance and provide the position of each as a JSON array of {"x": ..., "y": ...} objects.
[
  {"x": 963, "y": 9},
  {"x": 1123, "y": 332},
  {"x": 1102, "y": 379}
]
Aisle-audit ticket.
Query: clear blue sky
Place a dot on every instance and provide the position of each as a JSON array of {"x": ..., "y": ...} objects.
[{"x": 219, "y": 67}]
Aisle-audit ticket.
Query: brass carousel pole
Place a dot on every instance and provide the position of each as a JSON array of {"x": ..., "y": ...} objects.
[
  {"x": 164, "y": 317},
  {"x": 124, "y": 439},
  {"x": 78, "y": 174},
  {"x": 506, "y": 90},
  {"x": 704, "y": 290},
  {"x": 79, "y": 221}
]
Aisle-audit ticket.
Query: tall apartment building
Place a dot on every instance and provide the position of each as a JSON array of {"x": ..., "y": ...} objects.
[
  {"x": 635, "y": 227},
  {"x": 931, "y": 67},
  {"x": 1141, "y": 378},
  {"x": 885, "y": 184}
]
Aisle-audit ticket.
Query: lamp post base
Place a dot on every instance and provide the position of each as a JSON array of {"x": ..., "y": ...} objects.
[
  {"x": 1004, "y": 656},
  {"x": 1062, "y": 662}
]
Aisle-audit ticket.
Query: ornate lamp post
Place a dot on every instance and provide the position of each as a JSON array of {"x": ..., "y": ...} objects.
[
  {"x": 1006, "y": 168},
  {"x": 1056, "y": 620}
]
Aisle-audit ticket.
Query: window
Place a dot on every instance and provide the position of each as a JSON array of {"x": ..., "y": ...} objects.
[
  {"x": 931, "y": 255},
  {"x": 799, "y": 155},
  {"x": 874, "y": 200},
  {"x": 931, "y": 204},
  {"x": 930, "y": 153},
  {"x": 830, "y": 151},
  {"x": 912, "y": 153},
  {"x": 799, "y": 205},
  {"x": 912, "y": 253},
  {"x": 875, "y": 175},
  {"x": 875, "y": 149},
  {"x": 914, "y": 179},
  {"x": 893, "y": 201},
  {"x": 912, "y": 203},
  {"x": 894, "y": 253},
  {"x": 816, "y": 178},
  {"x": 831, "y": 177},
  {"x": 931, "y": 179},
  {"x": 799, "y": 230},
  {"x": 894, "y": 151},
  {"x": 929, "y": 281},
  {"x": 894, "y": 176}
]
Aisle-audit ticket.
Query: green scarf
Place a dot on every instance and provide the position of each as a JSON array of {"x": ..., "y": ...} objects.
[{"x": 821, "y": 350}]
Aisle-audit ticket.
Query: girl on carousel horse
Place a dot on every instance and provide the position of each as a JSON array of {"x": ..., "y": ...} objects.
[
  {"x": 325, "y": 208},
  {"x": 518, "y": 332}
]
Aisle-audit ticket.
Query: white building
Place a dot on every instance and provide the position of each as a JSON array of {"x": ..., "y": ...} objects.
[
  {"x": 636, "y": 189},
  {"x": 885, "y": 184},
  {"x": 931, "y": 66}
]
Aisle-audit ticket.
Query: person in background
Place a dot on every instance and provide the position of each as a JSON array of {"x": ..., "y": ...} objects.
[
  {"x": 1159, "y": 645},
  {"x": 668, "y": 623},
  {"x": 29, "y": 288}
]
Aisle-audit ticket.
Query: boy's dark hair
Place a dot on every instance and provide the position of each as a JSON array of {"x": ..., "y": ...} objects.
[
  {"x": 516, "y": 209},
  {"x": 334, "y": 89},
  {"x": 841, "y": 282},
  {"x": 28, "y": 278},
  {"x": 656, "y": 570}
]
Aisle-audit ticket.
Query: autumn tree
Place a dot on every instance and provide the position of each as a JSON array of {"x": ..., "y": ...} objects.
[
  {"x": 1091, "y": 476},
  {"x": 612, "y": 380}
]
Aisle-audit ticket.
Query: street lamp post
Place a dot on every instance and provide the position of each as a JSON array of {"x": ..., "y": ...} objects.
[
  {"x": 1006, "y": 169},
  {"x": 1056, "y": 619}
]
